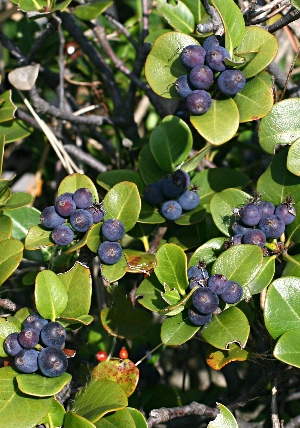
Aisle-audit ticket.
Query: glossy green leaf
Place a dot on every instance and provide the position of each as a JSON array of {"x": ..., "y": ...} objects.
[
  {"x": 171, "y": 267},
  {"x": 79, "y": 321},
  {"x": 282, "y": 306},
  {"x": 99, "y": 398},
  {"x": 61, "y": 6},
  {"x": 139, "y": 262},
  {"x": 72, "y": 420},
  {"x": 188, "y": 237},
  {"x": 170, "y": 143},
  {"x": 211, "y": 124},
  {"x": 11, "y": 253},
  {"x": 218, "y": 358},
  {"x": 163, "y": 65},
  {"x": 281, "y": 125},
  {"x": 208, "y": 252},
  {"x": 292, "y": 267},
  {"x": 123, "y": 202},
  {"x": 32, "y": 5},
  {"x": 293, "y": 164},
  {"x": 5, "y": 227},
  {"x": 93, "y": 237},
  {"x": 5, "y": 196},
  {"x": 86, "y": 12},
  {"x": 191, "y": 217},
  {"x": 7, "y": 107},
  {"x": 287, "y": 349},
  {"x": 129, "y": 417},
  {"x": 261, "y": 41},
  {"x": 112, "y": 273},
  {"x": 23, "y": 219},
  {"x": 149, "y": 294},
  {"x": 110, "y": 178},
  {"x": 150, "y": 214},
  {"x": 233, "y": 21},
  {"x": 75, "y": 181},
  {"x": 6, "y": 327},
  {"x": 224, "y": 420},
  {"x": 149, "y": 169},
  {"x": 177, "y": 330},
  {"x": 50, "y": 294},
  {"x": 178, "y": 16},
  {"x": 194, "y": 160},
  {"x": 42, "y": 386},
  {"x": 18, "y": 200},
  {"x": 56, "y": 414},
  {"x": 255, "y": 100},
  {"x": 14, "y": 130},
  {"x": 196, "y": 8},
  {"x": 222, "y": 205},
  {"x": 264, "y": 276},
  {"x": 227, "y": 327},
  {"x": 38, "y": 237}
]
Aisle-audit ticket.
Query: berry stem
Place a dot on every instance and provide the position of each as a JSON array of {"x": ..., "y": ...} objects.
[
  {"x": 180, "y": 303},
  {"x": 147, "y": 355}
]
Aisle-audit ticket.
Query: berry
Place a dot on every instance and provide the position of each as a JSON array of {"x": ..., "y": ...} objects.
[
  {"x": 197, "y": 318},
  {"x": 250, "y": 214},
  {"x": 283, "y": 211},
  {"x": 123, "y": 354},
  {"x": 196, "y": 282},
  {"x": 238, "y": 228},
  {"x": 272, "y": 225},
  {"x": 26, "y": 360},
  {"x": 210, "y": 43},
  {"x": 266, "y": 208},
  {"x": 201, "y": 77},
  {"x": 236, "y": 239},
  {"x": 205, "y": 300},
  {"x": 28, "y": 337},
  {"x": 35, "y": 321},
  {"x": 62, "y": 235},
  {"x": 110, "y": 252},
  {"x": 215, "y": 58},
  {"x": 193, "y": 55},
  {"x": 171, "y": 210},
  {"x": 53, "y": 334},
  {"x": 101, "y": 356},
  {"x": 11, "y": 344},
  {"x": 113, "y": 229},
  {"x": 65, "y": 205},
  {"x": 198, "y": 102},
  {"x": 233, "y": 292},
  {"x": 197, "y": 272},
  {"x": 83, "y": 197},
  {"x": 153, "y": 194},
  {"x": 171, "y": 186},
  {"x": 217, "y": 283},
  {"x": 181, "y": 178},
  {"x": 189, "y": 200},
  {"x": 97, "y": 212},
  {"x": 230, "y": 82},
  {"x": 81, "y": 220},
  {"x": 50, "y": 219},
  {"x": 254, "y": 237},
  {"x": 183, "y": 86},
  {"x": 52, "y": 361}
]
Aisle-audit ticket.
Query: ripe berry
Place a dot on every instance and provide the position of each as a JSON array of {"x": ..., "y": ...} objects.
[
  {"x": 189, "y": 200},
  {"x": 97, "y": 212},
  {"x": 198, "y": 102},
  {"x": 283, "y": 211},
  {"x": 53, "y": 334},
  {"x": 113, "y": 229},
  {"x": 83, "y": 197},
  {"x": 254, "y": 237},
  {"x": 230, "y": 82},
  {"x": 65, "y": 205},
  {"x": 35, "y": 321},
  {"x": 238, "y": 228},
  {"x": 233, "y": 292},
  {"x": 181, "y": 178},
  {"x": 171, "y": 210},
  {"x": 197, "y": 272},
  {"x": 81, "y": 220},
  {"x": 28, "y": 337},
  {"x": 62, "y": 235},
  {"x": 109, "y": 252},
  {"x": 272, "y": 225},
  {"x": 201, "y": 77},
  {"x": 11, "y": 344},
  {"x": 153, "y": 194},
  {"x": 197, "y": 318},
  {"x": 210, "y": 43},
  {"x": 26, "y": 360},
  {"x": 250, "y": 214},
  {"x": 236, "y": 239},
  {"x": 205, "y": 300},
  {"x": 266, "y": 207},
  {"x": 52, "y": 361},
  {"x": 101, "y": 356},
  {"x": 171, "y": 187},
  {"x": 217, "y": 283},
  {"x": 196, "y": 282},
  {"x": 49, "y": 217},
  {"x": 123, "y": 354},
  {"x": 183, "y": 86},
  {"x": 193, "y": 55},
  {"x": 215, "y": 58}
]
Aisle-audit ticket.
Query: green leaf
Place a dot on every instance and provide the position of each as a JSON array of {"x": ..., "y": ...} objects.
[
  {"x": 23, "y": 219},
  {"x": 32, "y": 5},
  {"x": 78, "y": 285},
  {"x": 129, "y": 417},
  {"x": 261, "y": 41},
  {"x": 55, "y": 416},
  {"x": 218, "y": 358},
  {"x": 196, "y": 8},
  {"x": 93, "y": 237},
  {"x": 190, "y": 217},
  {"x": 16, "y": 408},
  {"x": 61, "y": 6},
  {"x": 149, "y": 169},
  {"x": 193, "y": 162},
  {"x": 255, "y": 100},
  {"x": 14, "y": 130},
  {"x": 7, "y": 107},
  {"x": 179, "y": 16},
  {"x": 50, "y": 294},
  {"x": 222, "y": 205},
  {"x": 108, "y": 179},
  {"x": 292, "y": 267},
  {"x": 172, "y": 267},
  {"x": 42, "y": 386},
  {"x": 296, "y": 4},
  {"x": 264, "y": 276},
  {"x": 6, "y": 226},
  {"x": 99, "y": 398},
  {"x": 38, "y": 237},
  {"x": 233, "y": 21},
  {"x": 123, "y": 202},
  {"x": 282, "y": 306},
  {"x": 149, "y": 294},
  {"x": 150, "y": 214},
  {"x": 112, "y": 273},
  {"x": 6, "y": 327},
  {"x": 87, "y": 12},
  {"x": 11, "y": 253},
  {"x": 163, "y": 65},
  {"x": 18, "y": 200},
  {"x": 211, "y": 124},
  {"x": 293, "y": 164},
  {"x": 224, "y": 419},
  {"x": 69, "y": 321},
  {"x": 227, "y": 327},
  {"x": 177, "y": 330},
  {"x": 208, "y": 252},
  {"x": 170, "y": 143},
  {"x": 139, "y": 262},
  {"x": 287, "y": 349},
  {"x": 72, "y": 420},
  {"x": 75, "y": 181}
]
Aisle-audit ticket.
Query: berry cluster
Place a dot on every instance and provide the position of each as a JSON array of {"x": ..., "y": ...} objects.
[
  {"x": 174, "y": 188},
  {"x": 206, "y": 65},
  {"x": 110, "y": 251},
  {"x": 78, "y": 208},
  {"x": 261, "y": 222},
  {"x": 205, "y": 299},
  {"x": 51, "y": 360}
]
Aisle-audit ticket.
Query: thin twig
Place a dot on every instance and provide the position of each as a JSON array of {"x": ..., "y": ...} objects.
[
  {"x": 291, "y": 16},
  {"x": 274, "y": 407},
  {"x": 215, "y": 23}
]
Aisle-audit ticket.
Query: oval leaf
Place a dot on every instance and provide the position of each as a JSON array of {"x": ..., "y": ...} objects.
[
  {"x": 129, "y": 418},
  {"x": 11, "y": 253},
  {"x": 293, "y": 162},
  {"x": 177, "y": 330},
  {"x": 42, "y": 386},
  {"x": 287, "y": 348},
  {"x": 72, "y": 420},
  {"x": 91, "y": 11},
  {"x": 37, "y": 238},
  {"x": 218, "y": 358},
  {"x": 178, "y": 16},
  {"x": 50, "y": 294},
  {"x": 75, "y": 181},
  {"x": 224, "y": 419}
]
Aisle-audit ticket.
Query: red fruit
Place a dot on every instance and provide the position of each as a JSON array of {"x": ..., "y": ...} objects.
[
  {"x": 101, "y": 356},
  {"x": 123, "y": 354}
]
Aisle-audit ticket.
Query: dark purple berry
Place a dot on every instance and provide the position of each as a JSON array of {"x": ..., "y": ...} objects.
[
  {"x": 181, "y": 178},
  {"x": 272, "y": 225},
  {"x": 205, "y": 300},
  {"x": 65, "y": 205},
  {"x": 183, "y": 86},
  {"x": 62, "y": 235},
  {"x": 197, "y": 282},
  {"x": 26, "y": 360},
  {"x": 110, "y": 252},
  {"x": 215, "y": 58},
  {"x": 210, "y": 43},
  {"x": 201, "y": 77},
  {"x": 193, "y": 55},
  {"x": 53, "y": 334},
  {"x": 11, "y": 344},
  {"x": 113, "y": 229},
  {"x": 250, "y": 214},
  {"x": 97, "y": 212},
  {"x": 171, "y": 187},
  {"x": 197, "y": 272},
  {"x": 198, "y": 102},
  {"x": 81, "y": 220},
  {"x": 35, "y": 321},
  {"x": 254, "y": 237},
  {"x": 266, "y": 207},
  {"x": 197, "y": 318},
  {"x": 236, "y": 239},
  {"x": 50, "y": 219},
  {"x": 28, "y": 338},
  {"x": 217, "y": 283},
  {"x": 153, "y": 194},
  {"x": 52, "y": 362},
  {"x": 230, "y": 82},
  {"x": 233, "y": 292},
  {"x": 287, "y": 215},
  {"x": 171, "y": 210},
  {"x": 189, "y": 200},
  {"x": 83, "y": 197},
  {"x": 238, "y": 228}
]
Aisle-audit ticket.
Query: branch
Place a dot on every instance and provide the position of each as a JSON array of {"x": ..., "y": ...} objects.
[
  {"x": 291, "y": 16},
  {"x": 9, "y": 305},
  {"x": 215, "y": 23},
  {"x": 293, "y": 423},
  {"x": 85, "y": 157}
]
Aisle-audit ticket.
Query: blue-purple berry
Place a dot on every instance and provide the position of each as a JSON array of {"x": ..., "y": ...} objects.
[
  {"x": 53, "y": 334},
  {"x": 233, "y": 292},
  {"x": 26, "y": 360},
  {"x": 83, "y": 197},
  {"x": 189, "y": 200},
  {"x": 81, "y": 220},
  {"x": 65, "y": 205},
  {"x": 62, "y": 235},
  {"x": 183, "y": 86},
  {"x": 205, "y": 300},
  {"x": 52, "y": 362},
  {"x": 201, "y": 77},
  {"x": 113, "y": 229},
  {"x": 197, "y": 318},
  {"x": 230, "y": 82},
  {"x": 272, "y": 226},
  {"x": 50, "y": 218},
  {"x": 192, "y": 55},
  {"x": 109, "y": 252},
  {"x": 198, "y": 102},
  {"x": 11, "y": 344},
  {"x": 171, "y": 210}
]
